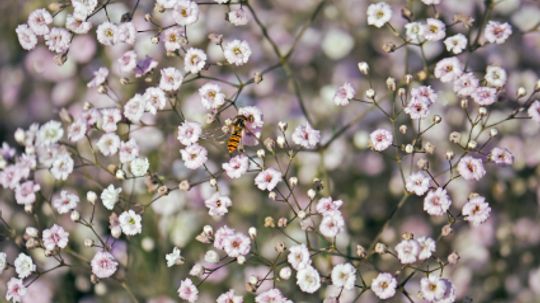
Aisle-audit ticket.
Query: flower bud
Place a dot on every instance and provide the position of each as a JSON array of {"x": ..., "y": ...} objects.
[
  {"x": 311, "y": 193},
  {"x": 409, "y": 148},
  {"x": 197, "y": 270},
  {"x": 493, "y": 132},
  {"x": 363, "y": 67},
  {"x": 408, "y": 78},
  {"x": 446, "y": 230},
  {"x": 464, "y": 103},
  {"x": 370, "y": 93},
  {"x": 269, "y": 143},
  {"x": 120, "y": 174},
  {"x": 360, "y": 251},
  {"x": 429, "y": 147},
  {"x": 437, "y": 119},
  {"x": 88, "y": 242},
  {"x": 272, "y": 195},
  {"x": 20, "y": 136},
  {"x": 453, "y": 258},
  {"x": 116, "y": 232},
  {"x": 75, "y": 216},
  {"x": 31, "y": 232},
  {"x": 301, "y": 214},
  {"x": 455, "y": 137},
  {"x": 391, "y": 83},
  {"x": 280, "y": 141},
  {"x": 184, "y": 185},
  {"x": 269, "y": 222},
  {"x": 213, "y": 182},
  {"x": 282, "y": 222},
  {"x": 285, "y": 273},
  {"x": 380, "y": 248},
  {"x": 280, "y": 247},
  {"x": 521, "y": 92},
  {"x": 211, "y": 256},
  {"x": 258, "y": 78},
  {"x": 208, "y": 230},
  {"x": 253, "y": 280},
  {"x": 241, "y": 260},
  {"x": 403, "y": 129},
  {"x": 283, "y": 126},
  {"x": 261, "y": 153},
  {"x": 482, "y": 111},
  {"x": 293, "y": 181},
  {"x": 252, "y": 231},
  {"x": 472, "y": 144},
  {"x": 91, "y": 197},
  {"x": 449, "y": 155}
]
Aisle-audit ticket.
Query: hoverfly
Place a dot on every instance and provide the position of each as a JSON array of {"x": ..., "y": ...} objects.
[{"x": 237, "y": 132}]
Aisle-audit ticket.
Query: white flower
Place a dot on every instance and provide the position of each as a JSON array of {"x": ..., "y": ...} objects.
[
  {"x": 211, "y": 257},
  {"x": 218, "y": 205},
  {"x": 127, "y": 62},
  {"x": 185, "y": 12},
  {"x": 78, "y": 25},
  {"x": 476, "y": 210},
  {"x": 534, "y": 111},
  {"x": 427, "y": 248},
  {"x": 381, "y": 139},
  {"x": 417, "y": 108},
  {"x": 103, "y": 265},
  {"x": 54, "y": 237},
  {"x": 237, "y": 52},
  {"x": 109, "y": 119},
  {"x": 77, "y": 130},
  {"x": 100, "y": 76},
  {"x": 189, "y": 133},
  {"x": 15, "y": 290},
  {"x": 448, "y": 69},
  {"x": 58, "y": 40},
  {"x": 154, "y": 99},
  {"x": 456, "y": 43},
  {"x": 130, "y": 222},
  {"x": 344, "y": 94},
  {"x": 437, "y": 202},
  {"x": 497, "y": 32},
  {"x": 332, "y": 224},
  {"x": 39, "y": 21},
  {"x": 407, "y": 251},
  {"x": 174, "y": 258},
  {"x": 139, "y": 167},
  {"x": 435, "y": 29},
  {"x": 238, "y": 17},
  {"x": 327, "y": 205},
  {"x": 344, "y": 275},
  {"x": 471, "y": 168},
  {"x": 432, "y": 288},
  {"x": 272, "y": 296},
  {"x": 65, "y": 201},
  {"x": 108, "y": 144},
  {"x": 378, "y": 14},
  {"x": 384, "y": 286},
  {"x": 3, "y": 262},
  {"x": 306, "y": 136},
  {"x": 107, "y": 33},
  {"x": 236, "y": 245},
  {"x": 268, "y": 179},
  {"x": 27, "y": 38},
  {"x": 236, "y": 167},
  {"x": 431, "y": 2},
  {"x": 466, "y": 84},
  {"x": 308, "y": 279},
  {"x": 62, "y": 166},
  {"x": 495, "y": 76},
  {"x": 299, "y": 256},
  {"x": 83, "y": 8},
  {"x": 171, "y": 79},
  {"x": 134, "y": 108},
  {"x": 187, "y": 291},
  {"x": 194, "y": 156},
  {"x": 109, "y": 196},
  {"x": 229, "y": 297},
  {"x": 166, "y": 4},
  {"x": 50, "y": 133},
  {"x": 415, "y": 32},
  {"x": 418, "y": 183},
  {"x": 211, "y": 96},
  {"x": 128, "y": 151},
  {"x": 484, "y": 95},
  {"x": 24, "y": 266},
  {"x": 172, "y": 38},
  {"x": 126, "y": 33},
  {"x": 194, "y": 60},
  {"x": 501, "y": 156}
]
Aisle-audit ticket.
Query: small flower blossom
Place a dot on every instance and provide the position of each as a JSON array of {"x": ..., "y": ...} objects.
[
  {"x": 189, "y": 133},
  {"x": 435, "y": 29},
  {"x": 456, "y": 44},
  {"x": 172, "y": 38},
  {"x": 127, "y": 62},
  {"x": 54, "y": 237},
  {"x": 39, "y": 21},
  {"x": 77, "y": 131},
  {"x": 130, "y": 222},
  {"x": 237, "y": 52},
  {"x": 194, "y": 156},
  {"x": 218, "y": 205},
  {"x": 154, "y": 99},
  {"x": 378, "y": 14},
  {"x": 344, "y": 94},
  {"x": 109, "y": 119},
  {"x": 58, "y": 40},
  {"x": 211, "y": 96},
  {"x": 134, "y": 108},
  {"x": 501, "y": 156},
  {"x": 185, "y": 12},
  {"x": 24, "y": 266},
  {"x": 415, "y": 32},
  {"x": 306, "y": 136},
  {"x": 50, "y": 133},
  {"x": 534, "y": 111},
  {"x": 3, "y": 262},
  {"x": 139, "y": 167},
  {"x": 62, "y": 167},
  {"x": 299, "y": 256},
  {"x": 107, "y": 33},
  {"x": 100, "y": 76},
  {"x": 15, "y": 290},
  {"x": 229, "y": 297},
  {"x": 332, "y": 224},
  {"x": 27, "y": 38},
  {"x": 272, "y": 296},
  {"x": 238, "y": 17},
  {"x": 25, "y": 193},
  {"x": 103, "y": 265},
  {"x": 171, "y": 79},
  {"x": 174, "y": 258},
  {"x": 417, "y": 108},
  {"x": 328, "y": 205},
  {"x": 236, "y": 245},
  {"x": 407, "y": 251},
  {"x": 466, "y": 85},
  {"x": 448, "y": 69},
  {"x": 108, "y": 144},
  {"x": 268, "y": 179},
  {"x": 236, "y": 167},
  {"x": 427, "y": 248},
  {"x": 437, "y": 202},
  {"x": 495, "y": 76},
  {"x": 78, "y": 25},
  {"x": 194, "y": 60},
  {"x": 450, "y": 293},
  {"x": 432, "y": 288},
  {"x": 471, "y": 168},
  {"x": 497, "y": 32},
  {"x": 110, "y": 196},
  {"x": 344, "y": 275},
  {"x": 476, "y": 210},
  {"x": 384, "y": 286},
  {"x": 484, "y": 95},
  {"x": 65, "y": 202},
  {"x": 381, "y": 139},
  {"x": 308, "y": 279},
  {"x": 126, "y": 33},
  {"x": 128, "y": 151},
  {"x": 417, "y": 183}
]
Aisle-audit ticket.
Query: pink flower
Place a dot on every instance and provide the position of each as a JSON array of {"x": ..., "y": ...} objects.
[
  {"x": 171, "y": 79},
  {"x": 332, "y": 224},
  {"x": 501, "y": 156},
  {"x": 218, "y": 205},
  {"x": 299, "y": 256},
  {"x": 229, "y": 297},
  {"x": 344, "y": 94},
  {"x": 497, "y": 32},
  {"x": 384, "y": 286},
  {"x": 417, "y": 108},
  {"x": 27, "y": 38},
  {"x": 448, "y": 69},
  {"x": 236, "y": 245},
  {"x": 221, "y": 234},
  {"x": 381, "y": 139},
  {"x": 437, "y": 202},
  {"x": 272, "y": 296},
  {"x": 185, "y": 12},
  {"x": 471, "y": 168},
  {"x": 407, "y": 251},
  {"x": 466, "y": 85},
  {"x": 236, "y": 167},
  {"x": 189, "y": 133},
  {"x": 65, "y": 201},
  {"x": 103, "y": 265},
  {"x": 109, "y": 119},
  {"x": 25, "y": 193},
  {"x": 476, "y": 210},
  {"x": 268, "y": 179},
  {"x": 54, "y": 237},
  {"x": 306, "y": 136},
  {"x": 39, "y": 21},
  {"x": 194, "y": 156},
  {"x": 187, "y": 291},
  {"x": 427, "y": 248},
  {"x": 418, "y": 183},
  {"x": 15, "y": 290},
  {"x": 327, "y": 205},
  {"x": 58, "y": 40},
  {"x": 484, "y": 95}
]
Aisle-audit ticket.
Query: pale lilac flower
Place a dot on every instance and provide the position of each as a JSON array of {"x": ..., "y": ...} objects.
[
  {"x": 194, "y": 60},
  {"x": 435, "y": 29},
  {"x": 77, "y": 130},
  {"x": 107, "y": 33},
  {"x": 211, "y": 96},
  {"x": 268, "y": 179},
  {"x": 103, "y": 265},
  {"x": 417, "y": 108},
  {"x": 417, "y": 183},
  {"x": 128, "y": 151},
  {"x": 134, "y": 108},
  {"x": 25, "y": 193},
  {"x": 145, "y": 66},
  {"x": 65, "y": 201},
  {"x": 308, "y": 279},
  {"x": 189, "y": 133},
  {"x": 495, "y": 76},
  {"x": 229, "y": 297},
  {"x": 427, "y": 248},
  {"x": 39, "y": 21},
  {"x": 185, "y": 12},
  {"x": 127, "y": 62},
  {"x": 450, "y": 293},
  {"x": 456, "y": 43},
  {"x": 272, "y": 296},
  {"x": 130, "y": 222},
  {"x": 171, "y": 79},
  {"x": 432, "y": 288},
  {"x": 58, "y": 40},
  {"x": 328, "y": 205},
  {"x": 497, "y": 32},
  {"x": 426, "y": 93},
  {"x": 305, "y": 136},
  {"x": 218, "y": 205},
  {"x": 534, "y": 111},
  {"x": 448, "y": 69},
  {"x": 15, "y": 290},
  {"x": 471, "y": 168},
  {"x": 109, "y": 119},
  {"x": 344, "y": 94},
  {"x": 237, "y": 52},
  {"x": 27, "y": 38},
  {"x": 299, "y": 256},
  {"x": 476, "y": 210},
  {"x": 407, "y": 251},
  {"x": 172, "y": 38},
  {"x": 221, "y": 234},
  {"x": 378, "y": 14},
  {"x": 194, "y": 156},
  {"x": 384, "y": 286},
  {"x": 155, "y": 99},
  {"x": 24, "y": 266},
  {"x": 466, "y": 85},
  {"x": 54, "y": 237},
  {"x": 108, "y": 144},
  {"x": 83, "y": 8},
  {"x": 238, "y": 17},
  {"x": 381, "y": 139},
  {"x": 126, "y": 33},
  {"x": 437, "y": 202},
  {"x": 344, "y": 275},
  {"x": 332, "y": 224},
  {"x": 501, "y": 156},
  {"x": 10, "y": 177},
  {"x": 236, "y": 167},
  {"x": 100, "y": 76},
  {"x": 484, "y": 95}
]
